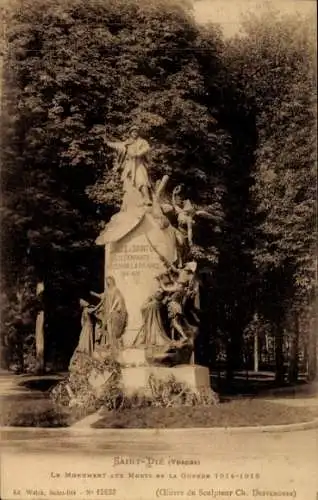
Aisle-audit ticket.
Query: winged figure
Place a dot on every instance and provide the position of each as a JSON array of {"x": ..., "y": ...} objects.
[{"x": 185, "y": 216}]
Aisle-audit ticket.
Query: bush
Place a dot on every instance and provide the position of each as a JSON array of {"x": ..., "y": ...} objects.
[{"x": 77, "y": 390}]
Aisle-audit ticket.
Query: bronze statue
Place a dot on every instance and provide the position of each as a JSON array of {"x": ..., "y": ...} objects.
[
  {"x": 133, "y": 161},
  {"x": 152, "y": 332},
  {"x": 86, "y": 340},
  {"x": 183, "y": 217},
  {"x": 115, "y": 313},
  {"x": 179, "y": 290},
  {"x": 185, "y": 214},
  {"x": 103, "y": 324}
]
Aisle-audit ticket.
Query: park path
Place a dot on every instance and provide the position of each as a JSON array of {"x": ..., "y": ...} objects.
[
  {"x": 87, "y": 422},
  {"x": 311, "y": 402},
  {"x": 10, "y": 385},
  {"x": 302, "y": 397}
]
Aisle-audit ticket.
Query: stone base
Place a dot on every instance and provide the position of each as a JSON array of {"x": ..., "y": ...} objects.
[
  {"x": 135, "y": 379},
  {"x": 98, "y": 381},
  {"x": 132, "y": 358}
]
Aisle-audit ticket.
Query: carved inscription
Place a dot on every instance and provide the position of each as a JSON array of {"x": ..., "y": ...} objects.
[{"x": 132, "y": 259}]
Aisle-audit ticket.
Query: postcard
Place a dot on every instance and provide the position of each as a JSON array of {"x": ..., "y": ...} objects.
[{"x": 158, "y": 251}]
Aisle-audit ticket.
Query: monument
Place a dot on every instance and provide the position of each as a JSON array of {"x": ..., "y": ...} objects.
[
  {"x": 150, "y": 261},
  {"x": 147, "y": 319}
]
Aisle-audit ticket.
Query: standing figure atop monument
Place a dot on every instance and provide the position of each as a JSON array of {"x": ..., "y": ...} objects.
[{"x": 133, "y": 161}]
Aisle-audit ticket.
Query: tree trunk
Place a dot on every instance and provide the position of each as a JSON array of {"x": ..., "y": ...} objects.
[
  {"x": 233, "y": 357},
  {"x": 293, "y": 367},
  {"x": 279, "y": 356},
  {"x": 5, "y": 356},
  {"x": 313, "y": 344},
  {"x": 256, "y": 351},
  {"x": 229, "y": 364},
  {"x": 312, "y": 357},
  {"x": 39, "y": 333},
  {"x": 306, "y": 358}
]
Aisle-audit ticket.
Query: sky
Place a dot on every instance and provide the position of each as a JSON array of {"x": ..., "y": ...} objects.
[{"x": 227, "y": 13}]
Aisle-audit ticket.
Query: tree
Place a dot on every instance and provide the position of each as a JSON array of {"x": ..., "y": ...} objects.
[
  {"x": 73, "y": 71},
  {"x": 275, "y": 63}
]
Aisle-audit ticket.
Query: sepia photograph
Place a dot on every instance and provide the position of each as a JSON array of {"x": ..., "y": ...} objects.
[{"x": 159, "y": 333}]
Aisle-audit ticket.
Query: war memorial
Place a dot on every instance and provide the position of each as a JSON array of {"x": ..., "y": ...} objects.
[{"x": 139, "y": 337}]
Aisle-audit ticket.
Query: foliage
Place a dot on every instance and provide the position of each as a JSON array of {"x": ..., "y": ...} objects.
[
  {"x": 275, "y": 63},
  {"x": 273, "y": 68},
  {"x": 169, "y": 393},
  {"x": 233, "y": 122},
  {"x": 74, "y": 71},
  {"x": 76, "y": 390},
  {"x": 17, "y": 320}
]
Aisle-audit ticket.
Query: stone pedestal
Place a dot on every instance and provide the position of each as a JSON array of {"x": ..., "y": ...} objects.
[
  {"x": 132, "y": 358},
  {"x": 130, "y": 240},
  {"x": 135, "y": 378},
  {"x": 98, "y": 381}
]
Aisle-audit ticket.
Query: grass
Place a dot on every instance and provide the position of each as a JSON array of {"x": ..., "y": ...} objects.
[
  {"x": 37, "y": 411},
  {"x": 33, "y": 408},
  {"x": 31, "y": 412},
  {"x": 261, "y": 384},
  {"x": 237, "y": 413}
]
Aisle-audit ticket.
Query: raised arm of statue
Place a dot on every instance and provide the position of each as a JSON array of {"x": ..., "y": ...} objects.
[
  {"x": 160, "y": 187},
  {"x": 190, "y": 231},
  {"x": 83, "y": 303},
  {"x": 175, "y": 205},
  {"x": 97, "y": 295},
  {"x": 117, "y": 145}
]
